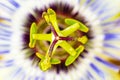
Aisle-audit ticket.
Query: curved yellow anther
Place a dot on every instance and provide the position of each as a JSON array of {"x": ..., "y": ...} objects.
[
  {"x": 71, "y": 59},
  {"x": 46, "y": 17},
  {"x": 83, "y": 39},
  {"x": 82, "y": 26},
  {"x": 33, "y": 30},
  {"x": 45, "y": 63},
  {"x": 74, "y": 25}
]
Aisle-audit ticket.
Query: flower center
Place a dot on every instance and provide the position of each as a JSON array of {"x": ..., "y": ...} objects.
[{"x": 57, "y": 38}]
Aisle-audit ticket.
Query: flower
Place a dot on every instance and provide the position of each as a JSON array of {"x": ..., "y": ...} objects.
[
  {"x": 99, "y": 60},
  {"x": 57, "y": 38}
]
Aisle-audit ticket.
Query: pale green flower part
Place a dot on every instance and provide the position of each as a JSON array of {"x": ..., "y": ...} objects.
[
  {"x": 67, "y": 47},
  {"x": 83, "y": 39},
  {"x": 82, "y": 26},
  {"x": 33, "y": 30},
  {"x": 71, "y": 59},
  {"x": 57, "y": 38},
  {"x": 46, "y": 61},
  {"x": 50, "y": 18},
  {"x": 70, "y": 29},
  {"x": 45, "y": 64},
  {"x": 46, "y": 37},
  {"x": 52, "y": 61}
]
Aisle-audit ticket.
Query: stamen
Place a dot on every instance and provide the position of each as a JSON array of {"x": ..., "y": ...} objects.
[
  {"x": 33, "y": 30},
  {"x": 50, "y": 18},
  {"x": 45, "y": 64},
  {"x": 61, "y": 38},
  {"x": 83, "y": 39},
  {"x": 71, "y": 59},
  {"x": 40, "y": 55},
  {"x": 67, "y": 48},
  {"x": 46, "y": 37},
  {"x": 82, "y": 26}
]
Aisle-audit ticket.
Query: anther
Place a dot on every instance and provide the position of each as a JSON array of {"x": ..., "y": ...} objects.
[{"x": 47, "y": 60}]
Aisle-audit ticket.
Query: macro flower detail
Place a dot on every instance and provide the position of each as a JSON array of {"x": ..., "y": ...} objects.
[
  {"x": 34, "y": 33},
  {"x": 57, "y": 38}
]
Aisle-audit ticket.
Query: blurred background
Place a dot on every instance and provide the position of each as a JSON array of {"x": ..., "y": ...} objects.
[{"x": 99, "y": 61}]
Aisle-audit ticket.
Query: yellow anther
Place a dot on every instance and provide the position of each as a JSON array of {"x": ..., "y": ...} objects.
[
  {"x": 71, "y": 59},
  {"x": 46, "y": 17},
  {"x": 82, "y": 26},
  {"x": 45, "y": 63},
  {"x": 33, "y": 30},
  {"x": 83, "y": 39},
  {"x": 57, "y": 38},
  {"x": 40, "y": 55}
]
